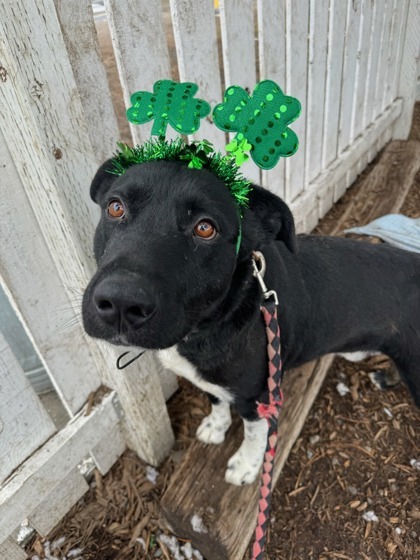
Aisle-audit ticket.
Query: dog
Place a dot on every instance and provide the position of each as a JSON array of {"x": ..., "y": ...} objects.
[{"x": 170, "y": 279}]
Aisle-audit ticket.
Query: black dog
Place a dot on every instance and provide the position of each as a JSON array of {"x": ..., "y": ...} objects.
[{"x": 169, "y": 279}]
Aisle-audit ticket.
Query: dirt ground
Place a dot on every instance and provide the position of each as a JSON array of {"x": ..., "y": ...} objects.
[{"x": 349, "y": 490}]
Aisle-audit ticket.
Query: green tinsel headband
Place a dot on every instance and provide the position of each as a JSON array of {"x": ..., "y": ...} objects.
[
  {"x": 197, "y": 154},
  {"x": 260, "y": 121}
]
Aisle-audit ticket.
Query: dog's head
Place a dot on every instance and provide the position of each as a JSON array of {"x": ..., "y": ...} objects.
[{"x": 166, "y": 250}]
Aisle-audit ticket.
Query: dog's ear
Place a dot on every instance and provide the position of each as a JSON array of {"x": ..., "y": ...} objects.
[
  {"x": 102, "y": 181},
  {"x": 274, "y": 218}
]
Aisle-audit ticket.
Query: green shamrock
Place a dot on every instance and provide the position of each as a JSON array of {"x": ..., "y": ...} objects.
[
  {"x": 170, "y": 103},
  {"x": 197, "y": 153},
  {"x": 238, "y": 149},
  {"x": 261, "y": 120}
]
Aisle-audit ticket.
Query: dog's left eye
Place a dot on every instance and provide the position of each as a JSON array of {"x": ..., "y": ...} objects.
[
  {"x": 116, "y": 209},
  {"x": 205, "y": 230}
]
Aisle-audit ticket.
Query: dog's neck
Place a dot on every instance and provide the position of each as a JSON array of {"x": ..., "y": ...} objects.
[{"x": 239, "y": 307}]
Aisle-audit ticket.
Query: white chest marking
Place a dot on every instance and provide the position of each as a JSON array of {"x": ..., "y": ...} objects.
[
  {"x": 172, "y": 359},
  {"x": 357, "y": 356}
]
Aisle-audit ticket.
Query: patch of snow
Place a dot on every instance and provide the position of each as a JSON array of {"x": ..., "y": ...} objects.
[
  {"x": 370, "y": 516},
  {"x": 25, "y": 532},
  {"x": 57, "y": 543},
  {"x": 197, "y": 555},
  {"x": 151, "y": 474},
  {"x": 398, "y": 530},
  {"x": 173, "y": 546},
  {"x": 342, "y": 389},
  {"x": 309, "y": 454},
  {"x": 415, "y": 463},
  {"x": 388, "y": 412},
  {"x": 142, "y": 542},
  {"x": 198, "y": 525},
  {"x": 187, "y": 550},
  {"x": 74, "y": 552}
]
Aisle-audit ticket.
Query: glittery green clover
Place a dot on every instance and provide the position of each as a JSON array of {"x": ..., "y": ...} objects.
[
  {"x": 170, "y": 103},
  {"x": 261, "y": 120}
]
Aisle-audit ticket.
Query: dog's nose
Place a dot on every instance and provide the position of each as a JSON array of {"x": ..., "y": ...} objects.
[{"x": 122, "y": 302}]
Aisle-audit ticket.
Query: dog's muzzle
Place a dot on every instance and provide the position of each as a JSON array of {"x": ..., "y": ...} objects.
[{"x": 122, "y": 304}]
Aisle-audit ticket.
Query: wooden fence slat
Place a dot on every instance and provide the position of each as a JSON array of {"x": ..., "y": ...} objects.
[
  {"x": 39, "y": 297},
  {"x": 364, "y": 53},
  {"x": 336, "y": 34},
  {"x": 238, "y": 43},
  {"x": 79, "y": 32},
  {"x": 239, "y": 62},
  {"x": 348, "y": 79},
  {"x": 333, "y": 178},
  {"x": 49, "y": 466},
  {"x": 408, "y": 71},
  {"x": 24, "y": 423},
  {"x": 104, "y": 454},
  {"x": 194, "y": 24},
  {"x": 297, "y": 28},
  {"x": 167, "y": 378},
  {"x": 378, "y": 19},
  {"x": 317, "y": 63},
  {"x": 58, "y": 502},
  {"x": 9, "y": 550},
  {"x": 365, "y": 41},
  {"x": 400, "y": 38},
  {"x": 383, "y": 58},
  {"x": 44, "y": 112},
  {"x": 388, "y": 76},
  {"x": 272, "y": 61},
  {"x": 141, "y": 50},
  {"x": 40, "y": 109}
]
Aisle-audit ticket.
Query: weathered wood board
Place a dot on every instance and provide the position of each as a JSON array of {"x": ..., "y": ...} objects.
[
  {"x": 49, "y": 466},
  {"x": 12, "y": 551},
  {"x": 24, "y": 423},
  {"x": 228, "y": 512}
]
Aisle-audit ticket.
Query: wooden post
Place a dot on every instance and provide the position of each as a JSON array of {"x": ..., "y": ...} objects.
[{"x": 42, "y": 119}]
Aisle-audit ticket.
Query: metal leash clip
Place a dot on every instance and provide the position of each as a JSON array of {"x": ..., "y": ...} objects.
[{"x": 259, "y": 260}]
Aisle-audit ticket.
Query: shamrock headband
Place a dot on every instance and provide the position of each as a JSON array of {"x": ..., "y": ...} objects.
[{"x": 260, "y": 121}]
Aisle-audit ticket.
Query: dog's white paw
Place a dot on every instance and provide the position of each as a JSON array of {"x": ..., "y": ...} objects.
[
  {"x": 244, "y": 466},
  {"x": 240, "y": 470},
  {"x": 214, "y": 426}
]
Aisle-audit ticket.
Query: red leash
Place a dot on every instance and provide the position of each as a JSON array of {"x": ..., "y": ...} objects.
[{"x": 269, "y": 411}]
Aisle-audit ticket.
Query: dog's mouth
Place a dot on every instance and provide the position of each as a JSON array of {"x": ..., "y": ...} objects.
[{"x": 131, "y": 322}]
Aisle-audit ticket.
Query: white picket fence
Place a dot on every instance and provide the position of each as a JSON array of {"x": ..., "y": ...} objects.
[{"x": 352, "y": 64}]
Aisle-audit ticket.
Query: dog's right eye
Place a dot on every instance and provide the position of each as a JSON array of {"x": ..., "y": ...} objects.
[{"x": 116, "y": 209}]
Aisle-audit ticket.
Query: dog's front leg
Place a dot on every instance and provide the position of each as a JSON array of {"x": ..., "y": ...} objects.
[
  {"x": 244, "y": 466},
  {"x": 213, "y": 428}
]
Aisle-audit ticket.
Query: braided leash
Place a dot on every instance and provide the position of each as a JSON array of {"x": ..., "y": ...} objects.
[{"x": 269, "y": 411}]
